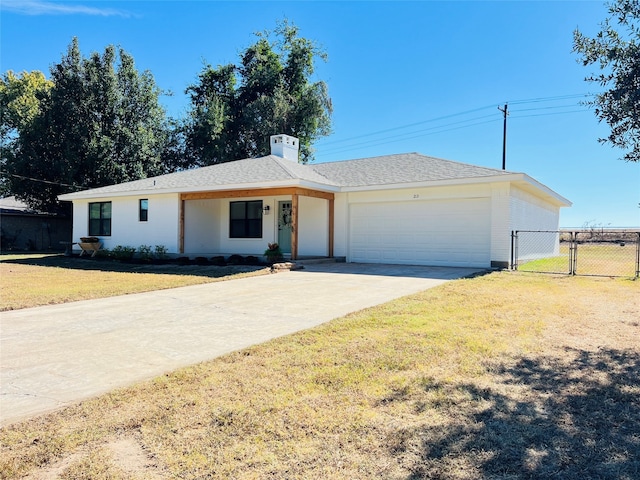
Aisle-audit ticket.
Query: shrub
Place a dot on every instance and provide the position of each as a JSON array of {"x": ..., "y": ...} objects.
[
  {"x": 145, "y": 253},
  {"x": 104, "y": 253},
  {"x": 201, "y": 261},
  {"x": 235, "y": 260},
  {"x": 273, "y": 253},
  {"x": 218, "y": 261},
  {"x": 161, "y": 252},
  {"x": 252, "y": 260},
  {"x": 123, "y": 253}
]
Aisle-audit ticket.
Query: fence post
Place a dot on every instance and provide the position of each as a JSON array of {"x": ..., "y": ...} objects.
[
  {"x": 573, "y": 253},
  {"x": 514, "y": 247},
  {"x": 638, "y": 256}
]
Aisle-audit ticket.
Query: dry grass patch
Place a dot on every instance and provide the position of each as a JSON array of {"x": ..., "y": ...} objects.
[
  {"x": 500, "y": 376},
  {"x": 34, "y": 280}
]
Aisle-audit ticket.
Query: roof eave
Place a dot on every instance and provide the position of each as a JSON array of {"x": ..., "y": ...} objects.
[
  {"x": 89, "y": 195},
  {"x": 530, "y": 184},
  {"x": 521, "y": 179},
  {"x": 429, "y": 183}
]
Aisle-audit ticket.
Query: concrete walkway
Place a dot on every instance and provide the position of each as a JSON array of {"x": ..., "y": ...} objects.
[{"x": 55, "y": 355}]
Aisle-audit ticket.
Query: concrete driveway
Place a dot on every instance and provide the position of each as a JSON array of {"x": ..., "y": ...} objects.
[{"x": 56, "y": 355}]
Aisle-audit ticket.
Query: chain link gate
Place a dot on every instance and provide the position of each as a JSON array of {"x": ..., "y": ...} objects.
[{"x": 597, "y": 252}]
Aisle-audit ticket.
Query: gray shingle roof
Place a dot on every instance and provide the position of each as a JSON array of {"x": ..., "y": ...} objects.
[
  {"x": 242, "y": 172},
  {"x": 401, "y": 168},
  {"x": 384, "y": 170}
]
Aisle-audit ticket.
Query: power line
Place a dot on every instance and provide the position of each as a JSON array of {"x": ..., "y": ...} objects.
[
  {"x": 400, "y": 136},
  {"x": 49, "y": 182},
  {"x": 550, "y": 113},
  {"x": 407, "y": 135},
  {"x": 384, "y": 142},
  {"x": 444, "y": 117},
  {"x": 544, "y": 108},
  {"x": 551, "y": 99},
  {"x": 408, "y": 125}
]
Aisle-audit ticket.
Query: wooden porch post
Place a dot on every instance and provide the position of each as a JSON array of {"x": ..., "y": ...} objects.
[
  {"x": 294, "y": 229},
  {"x": 331, "y": 221},
  {"x": 181, "y": 227}
]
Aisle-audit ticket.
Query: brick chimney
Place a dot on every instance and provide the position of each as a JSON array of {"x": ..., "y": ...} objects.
[{"x": 285, "y": 146}]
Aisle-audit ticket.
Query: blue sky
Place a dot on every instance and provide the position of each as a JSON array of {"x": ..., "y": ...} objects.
[{"x": 415, "y": 76}]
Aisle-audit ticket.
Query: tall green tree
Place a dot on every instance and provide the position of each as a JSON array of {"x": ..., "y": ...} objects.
[
  {"x": 20, "y": 104},
  {"x": 101, "y": 123},
  {"x": 616, "y": 51},
  {"x": 235, "y": 108}
]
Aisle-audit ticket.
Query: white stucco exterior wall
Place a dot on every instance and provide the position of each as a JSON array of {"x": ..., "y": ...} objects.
[
  {"x": 313, "y": 227},
  {"x": 529, "y": 212},
  {"x": 202, "y": 232},
  {"x": 500, "y": 225},
  {"x": 161, "y": 228},
  {"x": 207, "y": 227},
  {"x": 340, "y": 224}
]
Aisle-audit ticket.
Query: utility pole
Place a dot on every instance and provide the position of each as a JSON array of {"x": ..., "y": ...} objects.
[{"x": 504, "y": 137}]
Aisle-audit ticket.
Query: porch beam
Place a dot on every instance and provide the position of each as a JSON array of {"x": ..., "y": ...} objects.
[
  {"x": 294, "y": 223},
  {"x": 256, "y": 192},
  {"x": 306, "y": 192}
]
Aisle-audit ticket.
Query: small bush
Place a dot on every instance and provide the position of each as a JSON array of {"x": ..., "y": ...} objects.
[
  {"x": 235, "y": 260},
  {"x": 145, "y": 253},
  {"x": 201, "y": 261},
  {"x": 123, "y": 253},
  {"x": 252, "y": 260},
  {"x": 183, "y": 261},
  {"x": 273, "y": 253},
  {"x": 218, "y": 261},
  {"x": 161, "y": 252},
  {"x": 104, "y": 253}
]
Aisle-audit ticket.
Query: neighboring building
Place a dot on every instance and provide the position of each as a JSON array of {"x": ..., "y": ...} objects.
[
  {"x": 25, "y": 229},
  {"x": 406, "y": 209}
]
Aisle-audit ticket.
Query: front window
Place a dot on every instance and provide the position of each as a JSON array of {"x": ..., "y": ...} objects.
[
  {"x": 245, "y": 219},
  {"x": 100, "y": 219},
  {"x": 143, "y": 214}
]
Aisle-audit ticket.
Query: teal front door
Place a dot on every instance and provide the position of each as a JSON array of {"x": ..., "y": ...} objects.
[{"x": 284, "y": 226}]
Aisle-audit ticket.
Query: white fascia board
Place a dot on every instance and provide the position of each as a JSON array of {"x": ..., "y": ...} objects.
[
  {"x": 433, "y": 183},
  {"x": 533, "y": 186},
  {"x": 521, "y": 179}
]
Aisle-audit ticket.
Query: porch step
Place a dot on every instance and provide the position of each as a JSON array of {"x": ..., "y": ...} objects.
[{"x": 319, "y": 260}]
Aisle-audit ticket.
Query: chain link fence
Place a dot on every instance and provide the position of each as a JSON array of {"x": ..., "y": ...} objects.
[{"x": 597, "y": 252}]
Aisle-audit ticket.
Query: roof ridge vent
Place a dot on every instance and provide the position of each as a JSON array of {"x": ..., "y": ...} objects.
[{"x": 285, "y": 146}]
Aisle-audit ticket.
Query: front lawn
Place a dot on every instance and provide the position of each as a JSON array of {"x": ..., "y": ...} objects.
[
  {"x": 507, "y": 375},
  {"x": 31, "y": 280}
]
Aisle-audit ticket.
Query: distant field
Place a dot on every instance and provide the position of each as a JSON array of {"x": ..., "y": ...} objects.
[{"x": 606, "y": 259}]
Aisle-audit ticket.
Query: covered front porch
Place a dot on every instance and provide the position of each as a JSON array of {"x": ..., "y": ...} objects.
[{"x": 245, "y": 221}]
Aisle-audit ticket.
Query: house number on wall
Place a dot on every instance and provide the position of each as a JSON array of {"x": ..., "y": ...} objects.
[{"x": 415, "y": 195}]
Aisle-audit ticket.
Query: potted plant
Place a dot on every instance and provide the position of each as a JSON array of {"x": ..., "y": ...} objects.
[{"x": 273, "y": 253}]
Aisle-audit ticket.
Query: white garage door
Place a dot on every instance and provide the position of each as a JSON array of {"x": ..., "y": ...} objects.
[{"x": 441, "y": 233}]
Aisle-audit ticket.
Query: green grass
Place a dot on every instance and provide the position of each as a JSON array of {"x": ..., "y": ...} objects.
[
  {"x": 461, "y": 381},
  {"x": 601, "y": 259}
]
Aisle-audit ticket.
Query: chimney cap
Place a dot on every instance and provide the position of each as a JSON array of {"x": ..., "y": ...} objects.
[{"x": 285, "y": 146}]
